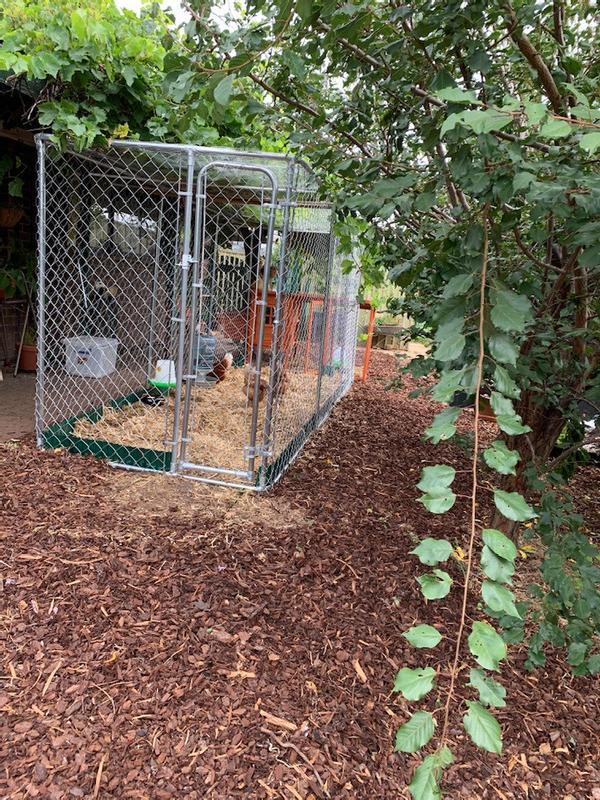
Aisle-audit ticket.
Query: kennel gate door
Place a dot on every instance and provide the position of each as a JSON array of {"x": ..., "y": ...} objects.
[{"x": 225, "y": 384}]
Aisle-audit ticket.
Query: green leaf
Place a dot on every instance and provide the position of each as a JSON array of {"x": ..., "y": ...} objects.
[
  {"x": 435, "y": 585},
  {"x": 483, "y": 728},
  {"x": 450, "y": 347},
  {"x": 415, "y": 733},
  {"x": 448, "y": 384},
  {"x": 499, "y": 543},
  {"x": 423, "y": 636},
  {"x": 510, "y": 311},
  {"x": 432, "y": 551},
  {"x": 440, "y": 476},
  {"x": 512, "y": 505},
  {"x": 455, "y": 95},
  {"x": 223, "y": 89},
  {"x": 500, "y": 458},
  {"x": 555, "y": 129},
  {"x": 459, "y": 284},
  {"x": 491, "y": 693},
  {"x": 496, "y": 568},
  {"x": 435, "y": 481},
  {"x": 304, "y": 9},
  {"x": 511, "y": 424},
  {"x": 590, "y": 142},
  {"x": 503, "y": 349},
  {"x": 414, "y": 683},
  {"x": 425, "y": 780},
  {"x": 443, "y": 426},
  {"x": 505, "y": 384},
  {"x": 535, "y": 112},
  {"x": 485, "y": 121},
  {"x": 499, "y": 598},
  {"x": 486, "y": 645},
  {"x": 522, "y": 180}
]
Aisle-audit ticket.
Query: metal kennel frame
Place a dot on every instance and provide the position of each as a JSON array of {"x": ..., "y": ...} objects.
[{"x": 193, "y": 314}]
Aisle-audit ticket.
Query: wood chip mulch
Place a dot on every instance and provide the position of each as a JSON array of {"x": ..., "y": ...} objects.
[{"x": 159, "y": 639}]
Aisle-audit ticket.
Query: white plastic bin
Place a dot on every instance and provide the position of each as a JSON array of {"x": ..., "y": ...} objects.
[{"x": 90, "y": 356}]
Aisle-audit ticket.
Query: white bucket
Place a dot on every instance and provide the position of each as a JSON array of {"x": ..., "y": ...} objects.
[
  {"x": 164, "y": 374},
  {"x": 90, "y": 356}
]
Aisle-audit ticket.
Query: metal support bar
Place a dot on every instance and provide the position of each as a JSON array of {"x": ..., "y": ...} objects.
[
  {"x": 183, "y": 305},
  {"x": 279, "y": 329},
  {"x": 41, "y": 298},
  {"x": 326, "y": 303}
]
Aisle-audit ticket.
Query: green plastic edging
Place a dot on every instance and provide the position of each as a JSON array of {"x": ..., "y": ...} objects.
[{"x": 60, "y": 434}]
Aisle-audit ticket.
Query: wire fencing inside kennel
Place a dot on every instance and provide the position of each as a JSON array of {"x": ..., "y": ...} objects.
[{"x": 193, "y": 314}]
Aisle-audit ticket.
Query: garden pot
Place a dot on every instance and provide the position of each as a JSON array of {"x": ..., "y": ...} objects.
[
  {"x": 10, "y": 216},
  {"x": 28, "y": 360},
  {"x": 485, "y": 410}
]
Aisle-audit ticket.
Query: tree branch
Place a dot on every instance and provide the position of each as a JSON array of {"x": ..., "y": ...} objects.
[{"x": 528, "y": 49}]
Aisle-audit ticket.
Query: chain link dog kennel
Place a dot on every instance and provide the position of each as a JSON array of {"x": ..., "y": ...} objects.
[{"x": 193, "y": 314}]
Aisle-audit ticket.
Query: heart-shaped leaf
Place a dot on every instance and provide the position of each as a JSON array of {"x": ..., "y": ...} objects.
[
  {"x": 432, "y": 551},
  {"x": 500, "y": 458},
  {"x": 483, "y": 728},
  {"x": 415, "y": 733},
  {"x": 499, "y": 598},
  {"x": 491, "y": 693},
  {"x": 496, "y": 568},
  {"x": 486, "y": 645},
  {"x": 425, "y": 783},
  {"x": 512, "y": 505},
  {"x": 499, "y": 543},
  {"x": 439, "y": 476},
  {"x": 435, "y": 585},
  {"x": 414, "y": 683},
  {"x": 511, "y": 311},
  {"x": 423, "y": 636}
]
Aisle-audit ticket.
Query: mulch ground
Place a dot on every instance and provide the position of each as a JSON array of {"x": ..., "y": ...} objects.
[{"x": 160, "y": 639}]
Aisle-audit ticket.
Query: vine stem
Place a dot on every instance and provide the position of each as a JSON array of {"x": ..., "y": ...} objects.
[{"x": 475, "y": 485}]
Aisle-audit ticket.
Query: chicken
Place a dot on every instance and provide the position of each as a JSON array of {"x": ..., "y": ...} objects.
[
  {"x": 263, "y": 386},
  {"x": 221, "y": 367},
  {"x": 250, "y": 383}
]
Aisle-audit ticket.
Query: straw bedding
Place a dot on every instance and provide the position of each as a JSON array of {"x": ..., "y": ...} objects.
[{"x": 220, "y": 420}]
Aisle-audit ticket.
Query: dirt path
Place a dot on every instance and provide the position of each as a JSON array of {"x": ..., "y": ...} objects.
[{"x": 165, "y": 640}]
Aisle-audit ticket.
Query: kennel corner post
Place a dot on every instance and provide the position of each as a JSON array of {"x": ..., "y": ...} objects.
[
  {"x": 41, "y": 298},
  {"x": 278, "y": 323},
  {"x": 180, "y": 319}
]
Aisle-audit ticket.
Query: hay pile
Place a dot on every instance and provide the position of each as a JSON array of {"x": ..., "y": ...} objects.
[{"x": 219, "y": 426}]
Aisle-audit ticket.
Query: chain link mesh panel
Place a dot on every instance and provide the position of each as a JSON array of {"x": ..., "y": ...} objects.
[{"x": 193, "y": 314}]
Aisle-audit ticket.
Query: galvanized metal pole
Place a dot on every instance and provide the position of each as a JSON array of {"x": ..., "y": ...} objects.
[
  {"x": 278, "y": 322},
  {"x": 185, "y": 259},
  {"x": 41, "y": 298},
  {"x": 157, "y": 256},
  {"x": 326, "y": 301}
]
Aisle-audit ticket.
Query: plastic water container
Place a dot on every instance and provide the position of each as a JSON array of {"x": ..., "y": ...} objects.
[
  {"x": 90, "y": 356},
  {"x": 164, "y": 374}
]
